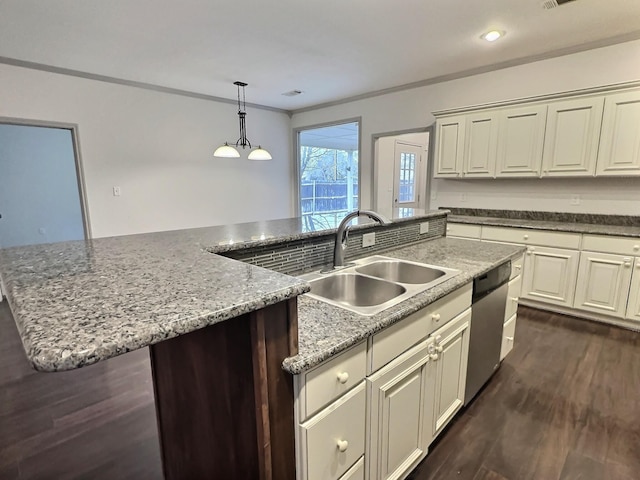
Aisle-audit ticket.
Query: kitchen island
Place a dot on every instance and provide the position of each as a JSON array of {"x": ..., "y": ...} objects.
[{"x": 78, "y": 303}]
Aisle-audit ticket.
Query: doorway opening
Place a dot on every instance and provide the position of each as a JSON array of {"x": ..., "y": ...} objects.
[
  {"x": 42, "y": 196},
  {"x": 401, "y": 172}
]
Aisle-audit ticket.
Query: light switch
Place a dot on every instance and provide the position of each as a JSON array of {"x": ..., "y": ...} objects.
[
  {"x": 116, "y": 191},
  {"x": 424, "y": 228},
  {"x": 369, "y": 239}
]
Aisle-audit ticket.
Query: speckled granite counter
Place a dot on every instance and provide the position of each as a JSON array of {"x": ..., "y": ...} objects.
[
  {"x": 325, "y": 330},
  {"x": 76, "y": 303},
  {"x": 616, "y": 230}
]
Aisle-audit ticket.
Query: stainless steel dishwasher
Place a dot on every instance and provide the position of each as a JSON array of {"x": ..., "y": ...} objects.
[{"x": 485, "y": 337}]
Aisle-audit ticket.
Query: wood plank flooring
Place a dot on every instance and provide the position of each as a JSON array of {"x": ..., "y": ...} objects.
[{"x": 564, "y": 405}]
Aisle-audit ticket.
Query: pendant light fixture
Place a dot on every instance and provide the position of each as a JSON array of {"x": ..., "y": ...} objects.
[{"x": 226, "y": 150}]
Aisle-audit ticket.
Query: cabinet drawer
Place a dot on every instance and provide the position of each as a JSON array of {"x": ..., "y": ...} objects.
[
  {"x": 398, "y": 338},
  {"x": 516, "y": 267},
  {"x": 333, "y": 440},
  {"x": 528, "y": 236},
  {"x": 463, "y": 230},
  {"x": 356, "y": 472},
  {"x": 513, "y": 294},
  {"x": 608, "y": 244},
  {"x": 508, "y": 336},
  {"x": 333, "y": 378}
]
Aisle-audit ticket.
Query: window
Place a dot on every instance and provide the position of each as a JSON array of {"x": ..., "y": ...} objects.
[{"x": 328, "y": 174}]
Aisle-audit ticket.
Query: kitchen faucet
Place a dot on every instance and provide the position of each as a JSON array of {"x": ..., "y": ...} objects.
[{"x": 342, "y": 234}]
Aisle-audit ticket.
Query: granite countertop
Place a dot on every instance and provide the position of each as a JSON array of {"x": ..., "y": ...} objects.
[
  {"x": 325, "y": 330},
  {"x": 76, "y": 303},
  {"x": 590, "y": 228}
]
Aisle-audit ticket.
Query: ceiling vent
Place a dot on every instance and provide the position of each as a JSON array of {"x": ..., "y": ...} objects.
[
  {"x": 292, "y": 93},
  {"x": 549, "y": 4}
]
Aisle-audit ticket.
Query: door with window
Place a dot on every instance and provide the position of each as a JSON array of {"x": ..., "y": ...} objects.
[{"x": 407, "y": 183}]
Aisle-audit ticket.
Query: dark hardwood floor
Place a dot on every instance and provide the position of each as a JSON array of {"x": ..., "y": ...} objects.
[{"x": 564, "y": 405}]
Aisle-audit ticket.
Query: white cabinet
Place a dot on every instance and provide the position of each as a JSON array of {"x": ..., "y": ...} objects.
[
  {"x": 401, "y": 411},
  {"x": 450, "y": 353},
  {"x": 603, "y": 283},
  {"x": 470, "y": 232},
  {"x": 633, "y": 306},
  {"x": 481, "y": 143},
  {"x": 508, "y": 337},
  {"x": 520, "y": 141},
  {"x": 619, "y": 152},
  {"x": 571, "y": 137},
  {"x": 334, "y": 439},
  {"x": 449, "y": 146},
  {"x": 550, "y": 275}
]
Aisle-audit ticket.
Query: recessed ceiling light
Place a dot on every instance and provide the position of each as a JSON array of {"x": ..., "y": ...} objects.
[{"x": 493, "y": 35}]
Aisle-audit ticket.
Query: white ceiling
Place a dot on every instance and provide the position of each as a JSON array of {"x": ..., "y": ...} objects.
[
  {"x": 329, "y": 49},
  {"x": 341, "y": 137}
]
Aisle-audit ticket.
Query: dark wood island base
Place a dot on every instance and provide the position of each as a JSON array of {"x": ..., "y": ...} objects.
[{"x": 223, "y": 402}]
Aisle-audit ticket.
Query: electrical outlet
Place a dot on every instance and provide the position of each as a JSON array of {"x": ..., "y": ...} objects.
[
  {"x": 42, "y": 231},
  {"x": 575, "y": 199},
  {"x": 116, "y": 191},
  {"x": 463, "y": 197},
  {"x": 369, "y": 239},
  {"x": 424, "y": 228}
]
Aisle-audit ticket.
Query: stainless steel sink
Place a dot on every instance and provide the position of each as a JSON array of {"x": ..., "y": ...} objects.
[
  {"x": 375, "y": 283},
  {"x": 356, "y": 290},
  {"x": 402, "y": 272}
]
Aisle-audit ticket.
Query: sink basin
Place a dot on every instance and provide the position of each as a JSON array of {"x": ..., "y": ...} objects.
[
  {"x": 402, "y": 272},
  {"x": 373, "y": 284},
  {"x": 355, "y": 290}
]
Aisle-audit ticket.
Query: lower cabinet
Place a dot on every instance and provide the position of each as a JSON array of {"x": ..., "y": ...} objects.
[
  {"x": 333, "y": 440},
  {"x": 508, "y": 336},
  {"x": 401, "y": 412},
  {"x": 633, "y": 307},
  {"x": 451, "y": 345},
  {"x": 550, "y": 275},
  {"x": 603, "y": 283}
]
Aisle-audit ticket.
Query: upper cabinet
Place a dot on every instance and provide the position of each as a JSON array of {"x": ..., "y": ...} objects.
[
  {"x": 520, "y": 141},
  {"x": 450, "y": 147},
  {"x": 481, "y": 145},
  {"x": 571, "y": 138},
  {"x": 585, "y": 134},
  {"x": 619, "y": 152}
]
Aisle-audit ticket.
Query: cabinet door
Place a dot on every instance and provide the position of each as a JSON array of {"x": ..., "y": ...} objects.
[
  {"x": 571, "y": 137},
  {"x": 481, "y": 143},
  {"x": 633, "y": 306},
  {"x": 619, "y": 152},
  {"x": 603, "y": 283},
  {"x": 520, "y": 141},
  {"x": 449, "y": 146},
  {"x": 452, "y": 352},
  {"x": 550, "y": 275},
  {"x": 401, "y": 409},
  {"x": 508, "y": 337}
]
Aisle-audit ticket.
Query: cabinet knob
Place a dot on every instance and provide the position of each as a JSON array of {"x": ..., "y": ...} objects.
[
  {"x": 438, "y": 338},
  {"x": 638, "y": 265},
  {"x": 525, "y": 236},
  {"x": 343, "y": 377},
  {"x": 627, "y": 264},
  {"x": 515, "y": 299},
  {"x": 530, "y": 250},
  {"x": 436, "y": 317},
  {"x": 343, "y": 445},
  {"x": 434, "y": 356},
  {"x": 518, "y": 267},
  {"x": 510, "y": 339},
  {"x": 439, "y": 348},
  {"x": 636, "y": 247}
]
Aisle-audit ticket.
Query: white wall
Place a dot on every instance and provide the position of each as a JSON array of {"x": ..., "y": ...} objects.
[
  {"x": 39, "y": 198},
  {"x": 158, "y": 148},
  {"x": 411, "y": 109}
]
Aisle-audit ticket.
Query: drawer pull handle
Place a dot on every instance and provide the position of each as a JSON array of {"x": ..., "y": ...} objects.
[
  {"x": 636, "y": 247},
  {"x": 436, "y": 317},
  {"x": 343, "y": 377},
  {"x": 526, "y": 237},
  {"x": 343, "y": 445}
]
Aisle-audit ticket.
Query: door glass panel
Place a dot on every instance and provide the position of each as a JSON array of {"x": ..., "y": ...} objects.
[{"x": 407, "y": 177}]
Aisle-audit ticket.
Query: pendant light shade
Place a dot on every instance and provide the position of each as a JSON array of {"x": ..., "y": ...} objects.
[
  {"x": 259, "y": 154},
  {"x": 226, "y": 150}
]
